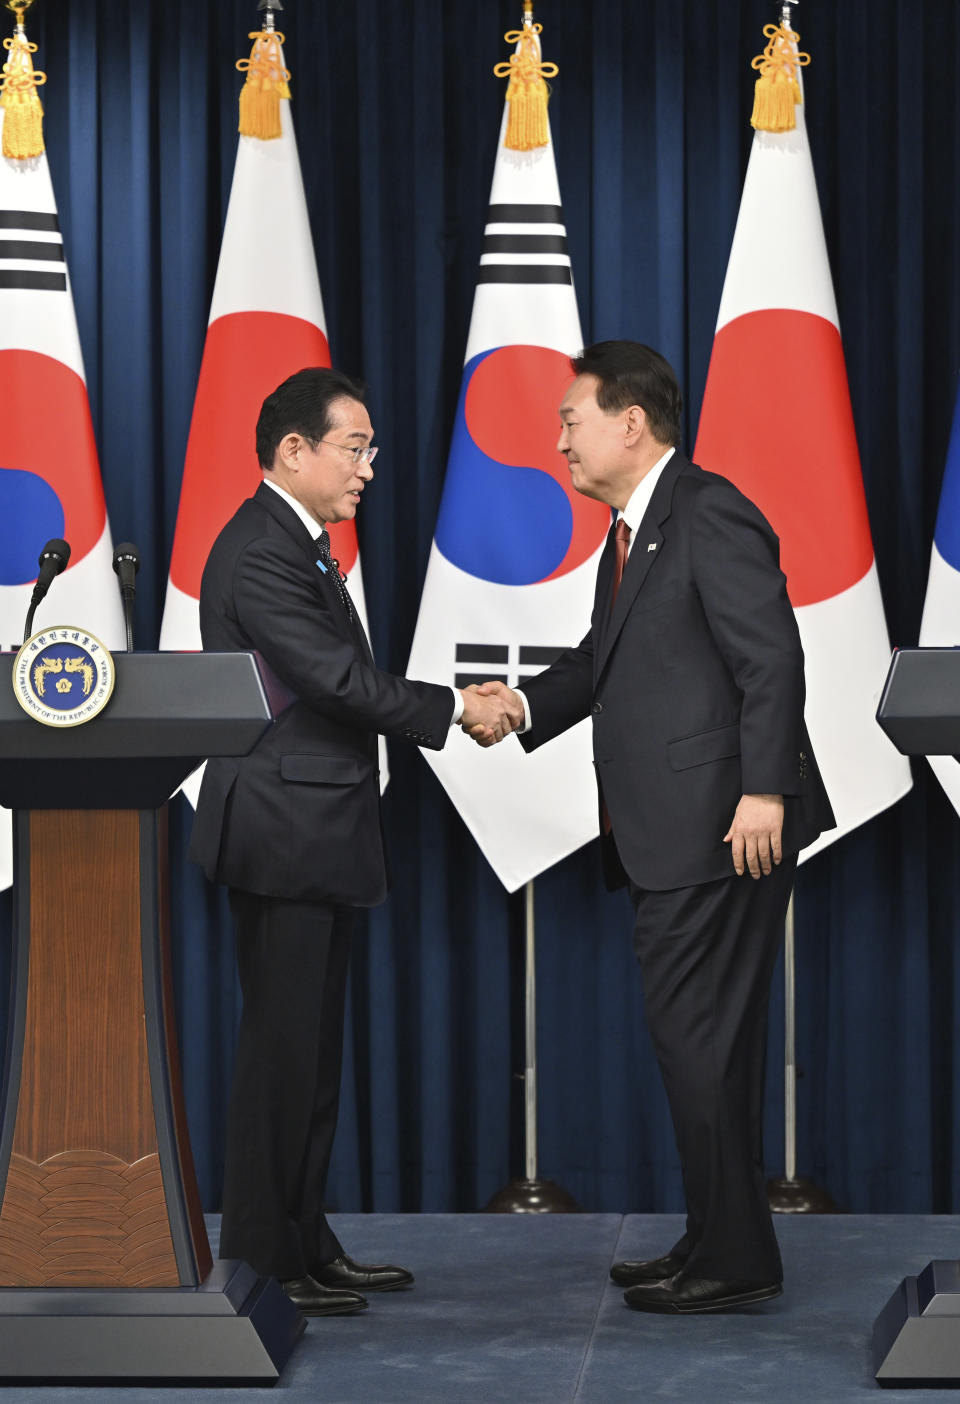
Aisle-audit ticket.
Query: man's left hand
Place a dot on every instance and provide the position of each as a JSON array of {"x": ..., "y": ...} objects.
[{"x": 754, "y": 835}]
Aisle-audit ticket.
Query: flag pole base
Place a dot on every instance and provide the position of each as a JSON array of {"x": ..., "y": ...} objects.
[
  {"x": 799, "y": 1196},
  {"x": 916, "y": 1337},
  {"x": 532, "y": 1197}
]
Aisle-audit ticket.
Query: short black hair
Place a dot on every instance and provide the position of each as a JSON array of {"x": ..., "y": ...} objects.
[
  {"x": 632, "y": 374},
  {"x": 301, "y": 405}
]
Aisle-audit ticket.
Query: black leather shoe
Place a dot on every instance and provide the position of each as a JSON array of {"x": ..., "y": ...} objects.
[
  {"x": 314, "y": 1299},
  {"x": 684, "y": 1295},
  {"x": 343, "y": 1272},
  {"x": 628, "y": 1274}
]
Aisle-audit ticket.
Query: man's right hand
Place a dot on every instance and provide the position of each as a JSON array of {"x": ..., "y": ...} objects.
[{"x": 490, "y": 712}]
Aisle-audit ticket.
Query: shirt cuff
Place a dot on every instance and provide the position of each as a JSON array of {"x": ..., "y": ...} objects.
[
  {"x": 527, "y": 723},
  {"x": 457, "y": 705}
]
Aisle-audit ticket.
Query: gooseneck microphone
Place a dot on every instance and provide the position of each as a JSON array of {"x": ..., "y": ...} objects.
[
  {"x": 126, "y": 562},
  {"x": 52, "y": 560}
]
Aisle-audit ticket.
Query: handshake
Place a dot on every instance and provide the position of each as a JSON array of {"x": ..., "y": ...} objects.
[{"x": 491, "y": 711}]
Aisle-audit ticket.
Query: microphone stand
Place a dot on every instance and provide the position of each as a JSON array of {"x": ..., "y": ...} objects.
[
  {"x": 35, "y": 599},
  {"x": 126, "y": 563},
  {"x": 126, "y": 596},
  {"x": 53, "y": 559}
]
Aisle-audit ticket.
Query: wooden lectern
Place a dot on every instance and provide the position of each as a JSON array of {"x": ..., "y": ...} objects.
[{"x": 105, "y": 1268}]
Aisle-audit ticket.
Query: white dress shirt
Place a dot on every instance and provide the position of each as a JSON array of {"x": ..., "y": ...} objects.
[
  {"x": 632, "y": 514},
  {"x": 639, "y": 499},
  {"x": 310, "y": 522},
  {"x": 314, "y": 528}
]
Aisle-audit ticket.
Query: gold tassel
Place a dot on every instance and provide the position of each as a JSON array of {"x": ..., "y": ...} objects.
[
  {"x": 527, "y": 92},
  {"x": 267, "y": 82},
  {"x": 23, "y": 111},
  {"x": 777, "y": 90}
]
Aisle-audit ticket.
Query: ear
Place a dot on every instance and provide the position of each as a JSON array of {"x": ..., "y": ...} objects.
[
  {"x": 636, "y": 423},
  {"x": 289, "y": 450}
]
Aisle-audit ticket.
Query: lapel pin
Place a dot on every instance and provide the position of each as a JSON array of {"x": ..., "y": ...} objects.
[{"x": 652, "y": 546}]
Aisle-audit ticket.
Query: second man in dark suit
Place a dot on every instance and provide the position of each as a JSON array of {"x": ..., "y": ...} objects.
[{"x": 692, "y": 672}]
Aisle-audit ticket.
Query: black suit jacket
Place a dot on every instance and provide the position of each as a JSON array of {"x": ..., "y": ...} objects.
[
  {"x": 300, "y": 816},
  {"x": 695, "y": 684}
]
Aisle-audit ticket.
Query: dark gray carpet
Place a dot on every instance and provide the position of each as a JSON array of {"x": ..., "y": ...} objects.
[
  {"x": 518, "y": 1310},
  {"x": 810, "y": 1346}
]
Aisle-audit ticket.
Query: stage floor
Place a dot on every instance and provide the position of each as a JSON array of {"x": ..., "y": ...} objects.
[{"x": 518, "y": 1309}]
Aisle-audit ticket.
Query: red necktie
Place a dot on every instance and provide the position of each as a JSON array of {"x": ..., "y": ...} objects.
[{"x": 622, "y": 541}]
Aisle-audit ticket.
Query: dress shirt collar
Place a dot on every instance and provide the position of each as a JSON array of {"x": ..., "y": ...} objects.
[
  {"x": 639, "y": 499},
  {"x": 313, "y": 526}
]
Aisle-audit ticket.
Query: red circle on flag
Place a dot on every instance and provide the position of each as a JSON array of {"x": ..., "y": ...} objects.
[
  {"x": 776, "y": 420},
  {"x": 46, "y": 430},
  {"x": 246, "y": 356},
  {"x": 511, "y": 412}
]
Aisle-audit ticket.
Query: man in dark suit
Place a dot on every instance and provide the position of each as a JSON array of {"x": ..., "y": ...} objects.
[
  {"x": 293, "y": 829},
  {"x": 692, "y": 671}
]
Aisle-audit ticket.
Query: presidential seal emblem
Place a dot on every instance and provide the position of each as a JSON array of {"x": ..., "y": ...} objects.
[{"x": 63, "y": 676}]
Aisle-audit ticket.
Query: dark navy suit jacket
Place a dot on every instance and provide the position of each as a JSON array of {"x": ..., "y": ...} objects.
[
  {"x": 695, "y": 685},
  {"x": 300, "y": 816}
]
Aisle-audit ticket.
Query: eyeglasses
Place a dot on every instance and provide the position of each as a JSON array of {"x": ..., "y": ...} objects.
[{"x": 366, "y": 453}]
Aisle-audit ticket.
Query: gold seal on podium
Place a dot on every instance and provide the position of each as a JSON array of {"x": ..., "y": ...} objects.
[{"x": 63, "y": 676}]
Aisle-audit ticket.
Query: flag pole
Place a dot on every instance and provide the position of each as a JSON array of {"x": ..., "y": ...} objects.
[
  {"x": 790, "y": 1044},
  {"x": 523, "y": 329},
  {"x": 531, "y": 1195},
  {"x": 790, "y": 1194},
  {"x": 530, "y": 1029}
]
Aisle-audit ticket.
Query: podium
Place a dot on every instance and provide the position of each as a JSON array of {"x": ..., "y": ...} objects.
[
  {"x": 916, "y": 1337},
  {"x": 105, "y": 1269},
  {"x": 920, "y": 703}
]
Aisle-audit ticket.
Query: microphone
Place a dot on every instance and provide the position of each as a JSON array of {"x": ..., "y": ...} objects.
[
  {"x": 126, "y": 563},
  {"x": 52, "y": 560}
]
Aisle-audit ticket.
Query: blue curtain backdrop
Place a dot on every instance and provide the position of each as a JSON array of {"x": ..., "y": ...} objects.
[{"x": 397, "y": 117}]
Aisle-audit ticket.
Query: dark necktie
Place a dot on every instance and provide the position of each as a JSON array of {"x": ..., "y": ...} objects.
[
  {"x": 622, "y": 543},
  {"x": 332, "y": 568},
  {"x": 621, "y": 538}
]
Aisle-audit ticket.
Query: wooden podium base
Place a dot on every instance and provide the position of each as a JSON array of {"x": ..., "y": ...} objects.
[{"x": 105, "y": 1268}]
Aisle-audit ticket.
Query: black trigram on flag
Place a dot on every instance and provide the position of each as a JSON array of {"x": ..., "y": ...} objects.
[
  {"x": 31, "y": 251},
  {"x": 493, "y": 662},
  {"x": 525, "y": 244}
]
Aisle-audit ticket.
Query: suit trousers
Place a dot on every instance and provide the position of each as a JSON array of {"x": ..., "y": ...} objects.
[
  {"x": 707, "y": 955},
  {"x": 292, "y": 959}
]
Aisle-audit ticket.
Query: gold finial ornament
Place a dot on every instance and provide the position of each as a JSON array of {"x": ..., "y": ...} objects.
[
  {"x": 267, "y": 79},
  {"x": 777, "y": 91},
  {"x": 22, "y": 109},
  {"x": 527, "y": 91}
]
